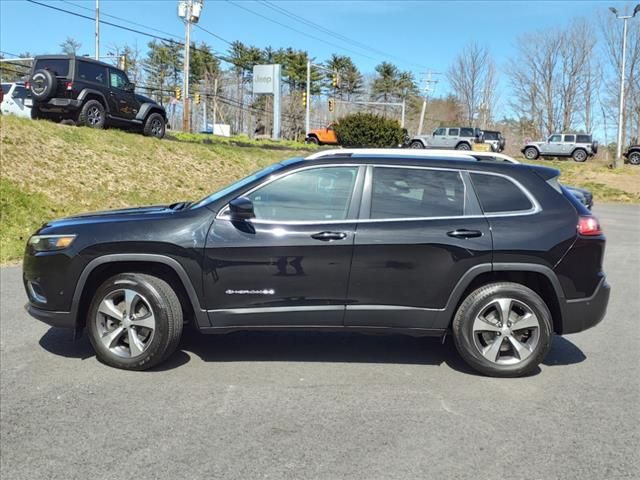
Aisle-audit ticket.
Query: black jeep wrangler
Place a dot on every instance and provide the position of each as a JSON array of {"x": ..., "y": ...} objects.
[{"x": 91, "y": 93}]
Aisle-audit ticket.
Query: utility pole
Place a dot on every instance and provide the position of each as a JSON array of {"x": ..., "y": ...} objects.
[
  {"x": 427, "y": 89},
  {"x": 215, "y": 104},
  {"x": 307, "y": 118},
  {"x": 618, "y": 160},
  {"x": 189, "y": 11},
  {"x": 97, "y": 29}
]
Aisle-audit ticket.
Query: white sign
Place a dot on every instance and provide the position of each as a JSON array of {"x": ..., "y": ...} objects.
[{"x": 264, "y": 78}]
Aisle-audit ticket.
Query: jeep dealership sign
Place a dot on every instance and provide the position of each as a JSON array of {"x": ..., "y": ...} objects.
[{"x": 266, "y": 79}]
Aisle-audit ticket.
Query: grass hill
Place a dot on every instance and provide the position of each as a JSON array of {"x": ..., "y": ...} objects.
[{"x": 49, "y": 170}]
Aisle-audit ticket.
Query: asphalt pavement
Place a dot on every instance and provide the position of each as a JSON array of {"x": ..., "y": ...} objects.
[{"x": 326, "y": 406}]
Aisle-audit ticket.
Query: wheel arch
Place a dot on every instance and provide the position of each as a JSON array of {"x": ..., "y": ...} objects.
[
  {"x": 464, "y": 142},
  {"x": 90, "y": 94},
  {"x": 539, "y": 278},
  {"x": 106, "y": 266},
  {"x": 147, "y": 109}
]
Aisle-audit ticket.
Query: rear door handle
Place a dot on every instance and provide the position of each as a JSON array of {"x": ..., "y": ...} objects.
[
  {"x": 328, "y": 236},
  {"x": 464, "y": 233}
]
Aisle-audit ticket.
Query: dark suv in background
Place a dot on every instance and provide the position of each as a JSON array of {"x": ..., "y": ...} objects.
[
  {"x": 499, "y": 254},
  {"x": 91, "y": 93}
]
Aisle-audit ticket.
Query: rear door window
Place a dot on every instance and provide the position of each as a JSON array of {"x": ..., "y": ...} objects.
[
  {"x": 58, "y": 66},
  {"x": 570, "y": 138},
  {"x": 499, "y": 194},
  {"x": 454, "y": 132},
  {"x": 92, "y": 72},
  {"x": 416, "y": 193}
]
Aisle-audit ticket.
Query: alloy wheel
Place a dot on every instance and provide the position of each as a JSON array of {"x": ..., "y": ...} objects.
[
  {"x": 125, "y": 323},
  {"x": 506, "y": 331},
  {"x": 156, "y": 127},
  {"x": 94, "y": 116}
]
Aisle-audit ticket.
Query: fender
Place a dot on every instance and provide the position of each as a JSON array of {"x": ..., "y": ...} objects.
[
  {"x": 146, "y": 108},
  {"x": 201, "y": 317},
  {"x": 447, "y": 313},
  {"x": 89, "y": 91}
]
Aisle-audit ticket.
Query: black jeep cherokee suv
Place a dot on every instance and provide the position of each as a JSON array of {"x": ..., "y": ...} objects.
[
  {"x": 91, "y": 93},
  {"x": 499, "y": 254}
]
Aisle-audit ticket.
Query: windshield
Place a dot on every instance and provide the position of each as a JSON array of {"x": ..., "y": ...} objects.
[{"x": 239, "y": 184}]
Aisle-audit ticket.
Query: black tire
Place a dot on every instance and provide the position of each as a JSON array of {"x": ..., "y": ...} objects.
[
  {"x": 579, "y": 155},
  {"x": 416, "y": 144},
  {"x": 634, "y": 158},
  {"x": 165, "y": 308},
  {"x": 594, "y": 147},
  {"x": 154, "y": 125},
  {"x": 43, "y": 85},
  {"x": 313, "y": 140},
  {"x": 36, "y": 114},
  {"x": 468, "y": 343},
  {"x": 531, "y": 153},
  {"x": 463, "y": 146},
  {"x": 92, "y": 114}
]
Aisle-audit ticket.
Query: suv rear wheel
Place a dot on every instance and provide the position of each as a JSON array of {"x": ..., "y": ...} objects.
[
  {"x": 503, "y": 329},
  {"x": 135, "y": 321},
  {"x": 579, "y": 155},
  {"x": 92, "y": 114},
  {"x": 531, "y": 153}
]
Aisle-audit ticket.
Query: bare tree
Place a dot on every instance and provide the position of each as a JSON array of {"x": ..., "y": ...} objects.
[
  {"x": 473, "y": 79},
  {"x": 70, "y": 46}
]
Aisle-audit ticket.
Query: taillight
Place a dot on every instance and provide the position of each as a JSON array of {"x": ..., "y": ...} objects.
[
  {"x": 589, "y": 225},
  {"x": 27, "y": 85},
  {"x": 69, "y": 85}
]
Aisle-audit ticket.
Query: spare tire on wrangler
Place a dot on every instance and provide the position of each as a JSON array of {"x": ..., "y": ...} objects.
[
  {"x": 594, "y": 147},
  {"x": 43, "y": 85}
]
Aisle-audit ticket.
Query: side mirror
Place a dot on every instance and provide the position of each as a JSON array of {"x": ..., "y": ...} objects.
[
  {"x": 130, "y": 87},
  {"x": 241, "y": 208}
]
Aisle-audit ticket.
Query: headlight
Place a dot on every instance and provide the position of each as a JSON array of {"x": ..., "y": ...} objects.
[{"x": 48, "y": 243}]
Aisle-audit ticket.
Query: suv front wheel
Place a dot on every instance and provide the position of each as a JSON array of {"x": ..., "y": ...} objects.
[
  {"x": 92, "y": 115},
  {"x": 503, "y": 329},
  {"x": 134, "y": 321},
  {"x": 154, "y": 126}
]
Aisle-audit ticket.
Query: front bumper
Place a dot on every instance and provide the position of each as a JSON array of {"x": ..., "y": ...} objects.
[
  {"x": 55, "y": 319},
  {"x": 584, "y": 313}
]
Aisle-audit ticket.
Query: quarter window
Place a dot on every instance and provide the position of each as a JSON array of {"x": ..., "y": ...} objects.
[
  {"x": 467, "y": 132},
  {"x": 318, "y": 194},
  {"x": 416, "y": 193},
  {"x": 92, "y": 72},
  {"x": 499, "y": 194},
  {"x": 583, "y": 139}
]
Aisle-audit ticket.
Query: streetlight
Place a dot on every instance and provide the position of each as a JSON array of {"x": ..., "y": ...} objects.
[
  {"x": 624, "y": 55},
  {"x": 189, "y": 11}
]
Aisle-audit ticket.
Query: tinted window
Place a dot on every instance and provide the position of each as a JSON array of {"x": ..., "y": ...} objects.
[
  {"x": 440, "y": 131},
  {"x": 498, "y": 194},
  {"x": 555, "y": 138},
  {"x": 569, "y": 138},
  {"x": 59, "y": 66},
  {"x": 5, "y": 88},
  {"x": 466, "y": 132},
  {"x": 118, "y": 79},
  {"x": 91, "y": 72},
  {"x": 453, "y": 132},
  {"x": 584, "y": 139},
  {"x": 19, "y": 92},
  {"x": 309, "y": 195},
  {"x": 491, "y": 136},
  {"x": 411, "y": 193}
]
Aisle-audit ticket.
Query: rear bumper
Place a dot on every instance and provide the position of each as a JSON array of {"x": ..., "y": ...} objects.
[
  {"x": 55, "y": 319},
  {"x": 58, "y": 103},
  {"x": 584, "y": 313}
]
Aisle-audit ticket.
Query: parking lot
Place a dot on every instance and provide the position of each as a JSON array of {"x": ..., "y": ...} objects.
[{"x": 327, "y": 406}]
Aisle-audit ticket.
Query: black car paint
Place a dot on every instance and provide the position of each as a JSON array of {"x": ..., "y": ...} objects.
[{"x": 403, "y": 275}]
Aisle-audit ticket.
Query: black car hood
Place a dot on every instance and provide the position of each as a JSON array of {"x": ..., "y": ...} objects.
[
  {"x": 120, "y": 215},
  {"x": 143, "y": 99}
]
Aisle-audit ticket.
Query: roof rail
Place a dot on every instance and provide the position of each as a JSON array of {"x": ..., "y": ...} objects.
[{"x": 390, "y": 152}]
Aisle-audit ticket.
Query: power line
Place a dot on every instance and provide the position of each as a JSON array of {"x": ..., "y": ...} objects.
[
  {"x": 306, "y": 34},
  {"x": 334, "y": 34}
]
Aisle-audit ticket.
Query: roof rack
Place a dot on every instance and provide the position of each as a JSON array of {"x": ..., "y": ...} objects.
[{"x": 390, "y": 152}]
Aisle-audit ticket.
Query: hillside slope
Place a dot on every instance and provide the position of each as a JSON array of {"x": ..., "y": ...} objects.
[{"x": 49, "y": 170}]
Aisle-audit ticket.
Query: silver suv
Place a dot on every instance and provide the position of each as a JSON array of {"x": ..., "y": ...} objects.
[
  {"x": 579, "y": 146},
  {"x": 458, "y": 138}
]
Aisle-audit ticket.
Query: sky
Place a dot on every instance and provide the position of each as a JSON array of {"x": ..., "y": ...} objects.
[{"x": 416, "y": 35}]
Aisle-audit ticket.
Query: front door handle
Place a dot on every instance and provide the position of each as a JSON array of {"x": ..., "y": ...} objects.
[
  {"x": 328, "y": 236},
  {"x": 464, "y": 233}
]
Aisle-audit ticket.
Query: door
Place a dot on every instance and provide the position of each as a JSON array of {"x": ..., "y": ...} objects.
[
  {"x": 290, "y": 264},
  {"x": 553, "y": 146},
  {"x": 453, "y": 136},
  {"x": 424, "y": 231},
  {"x": 122, "y": 101},
  {"x": 440, "y": 138}
]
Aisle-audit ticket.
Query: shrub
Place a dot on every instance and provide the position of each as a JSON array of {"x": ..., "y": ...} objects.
[{"x": 368, "y": 130}]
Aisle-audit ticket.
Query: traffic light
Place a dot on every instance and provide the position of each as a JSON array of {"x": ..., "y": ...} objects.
[
  {"x": 304, "y": 99},
  {"x": 178, "y": 93},
  {"x": 335, "y": 80},
  {"x": 196, "y": 98},
  {"x": 331, "y": 104}
]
